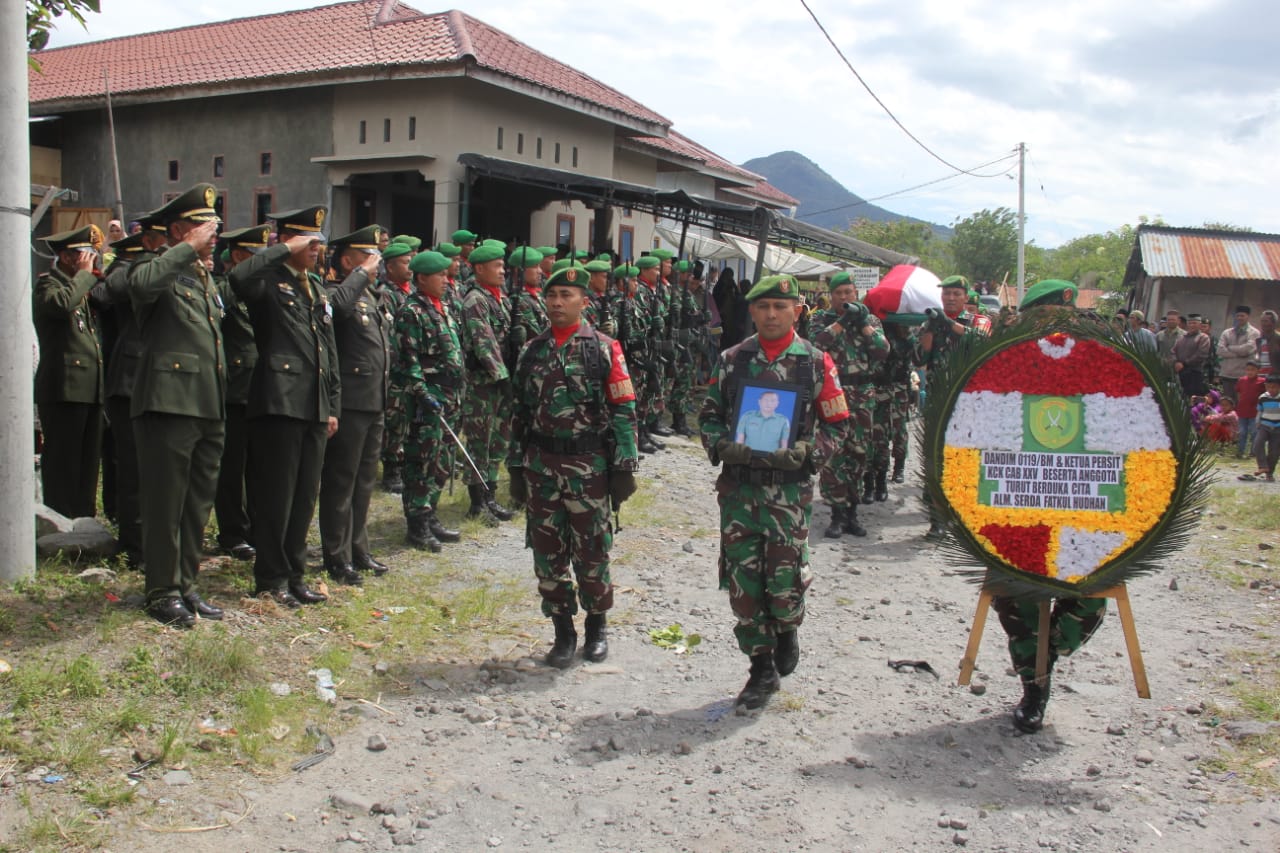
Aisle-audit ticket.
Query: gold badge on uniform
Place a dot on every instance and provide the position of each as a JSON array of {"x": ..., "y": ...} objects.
[
  {"x": 571, "y": 274},
  {"x": 320, "y": 217},
  {"x": 210, "y": 196}
]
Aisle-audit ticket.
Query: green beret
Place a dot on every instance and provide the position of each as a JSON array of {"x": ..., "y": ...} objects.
[
  {"x": 663, "y": 254},
  {"x": 596, "y": 266},
  {"x": 682, "y": 266},
  {"x": 561, "y": 264},
  {"x": 225, "y": 257},
  {"x": 492, "y": 242},
  {"x": 548, "y": 251},
  {"x": 775, "y": 287},
  {"x": 409, "y": 240},
  {"x": 462, "y": 236},
  {"x": 194, "y": 205},
  {"x": 647, "y": 262},
  {"x": 573, "y": 276},
  {"x": 396, "y": 249},
  {"x": 429, "y": 263},
  {"x": 608, "y": 259},
  {"x": 449, "y": 250},
  {"x": 523, "y": 258},
  {"x": 581, "y": 254},
  {"x": 366, "y": 240},
  {"x": 842, "y": 277},
  {"x": 484, "y": 253},
  {"x": 626, "y": 271},
  {"x": 71, "y": 241},
  {"x": 252, "y": 239},
  {"x": 304, "y": 220},
  {"x": 1051, "y": 291},
  {"x": 955, "y": 281}
]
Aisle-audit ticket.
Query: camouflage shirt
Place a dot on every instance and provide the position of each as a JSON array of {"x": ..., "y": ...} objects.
[
  {"x": 486, "y": 325},
  {"x": 531, "y": 318},
  {"x": 427, "y": 357},
  {"x": 857, "y": 358},
  {"x": 942, "y": 344}
]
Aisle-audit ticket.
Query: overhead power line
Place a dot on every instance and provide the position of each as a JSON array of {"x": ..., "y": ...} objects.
[
  {"x": 886, "y": 109},
  {"x": 956, "y": 174}
]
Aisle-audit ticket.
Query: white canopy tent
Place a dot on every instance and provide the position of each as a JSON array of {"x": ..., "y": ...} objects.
[{"x": 699, "y": 243}]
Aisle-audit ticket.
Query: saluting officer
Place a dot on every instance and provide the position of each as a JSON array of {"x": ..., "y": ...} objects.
[
  {"x": 68, "y": 380},
  {"x": 572, "y": 461},
  {"x": 362, "y": 329},
  {"x": 294, "y": 399},
  {"x": 179, "y": 403}
]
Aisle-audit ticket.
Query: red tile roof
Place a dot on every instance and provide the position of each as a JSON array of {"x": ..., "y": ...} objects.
[
  {"x": 341, "y": 38},
  {"x": 753, "y": 185}
]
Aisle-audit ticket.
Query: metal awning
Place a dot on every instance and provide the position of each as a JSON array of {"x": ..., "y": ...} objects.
[{"x": 713, "y": 214}]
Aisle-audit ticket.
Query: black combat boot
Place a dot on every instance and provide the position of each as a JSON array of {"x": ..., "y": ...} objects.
[
  {"x": 1028, "y": 715},
  {"x": 561, "y": 654},
  {"x": 596, "y": 646},
  {"x": 658, "y": 445},
  {"x": 419, "y": 535},
  {"x": 391, "y": 479},
  {"x": 499, "y": 511},
  {"x": 868, "y": 487},
  {"x": 762, "y": 684},
  {"x": 787, "y": 652},
  {"x": 836, "y": 527},
  {"x": 899, "y": 470},
  {"x": 656, "y": 428},
  {"x": 681, "y": 425},
  {"x": 882, "y": 485},
  {"x": 937, "y": 530},
  {"x": 643, "y": 443},
  {"x": 851, "y": 524},
  {"x": 438, "y": 530},
  {"x": 479, "y": 504}
]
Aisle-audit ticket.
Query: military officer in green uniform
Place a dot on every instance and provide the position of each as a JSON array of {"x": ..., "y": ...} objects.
[
  {"x": 231, "y": 505},
  {"x": 427, "y": 368},
  {"x": 68, "y": 383},
  {"x": 179, "y": 403},
  {"x": 362, "y": 329},
  {"x": 766, "y": 499},
  {"x": 572, "y": 461},
  {"x": 294, "y": 399},
  {"x": 122, "y": 372}
]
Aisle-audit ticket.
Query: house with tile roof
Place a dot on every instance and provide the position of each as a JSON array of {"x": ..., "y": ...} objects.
[{"x": 374, "y": 108}]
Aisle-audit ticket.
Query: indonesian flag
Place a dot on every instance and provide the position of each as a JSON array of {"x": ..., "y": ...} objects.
[
  {"x": 905, "y": 289},
  {"x": 1057, "y": 456}
]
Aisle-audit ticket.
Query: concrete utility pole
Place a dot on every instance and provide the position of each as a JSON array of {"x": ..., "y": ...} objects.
[
  {"x": 17, "y": 426},
  {"x": 1022, "y": 219}
]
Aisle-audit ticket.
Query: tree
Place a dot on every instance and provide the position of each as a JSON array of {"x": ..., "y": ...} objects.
[
  {"x": 985, "y": 245},
  {"x": 1093, "y": 261},
  {"x": 909, "y": 238},
  {"x": 1227, "y": 226},
  {"x": 42, "y": 14}
]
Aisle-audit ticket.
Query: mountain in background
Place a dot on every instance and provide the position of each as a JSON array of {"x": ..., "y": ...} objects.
[{"x": 824, "y": 201}]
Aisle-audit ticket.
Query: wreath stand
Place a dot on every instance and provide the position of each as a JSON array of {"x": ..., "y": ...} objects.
[{"x": 1121, "y": 595}]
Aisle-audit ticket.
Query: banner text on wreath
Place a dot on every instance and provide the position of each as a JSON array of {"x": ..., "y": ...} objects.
[{"x": 1075, "y": 481}]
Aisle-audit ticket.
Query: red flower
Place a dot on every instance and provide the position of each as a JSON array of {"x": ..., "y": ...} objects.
[
  {"x": 1090, "y": 368},
  {"x": 1024, "y": 548}
]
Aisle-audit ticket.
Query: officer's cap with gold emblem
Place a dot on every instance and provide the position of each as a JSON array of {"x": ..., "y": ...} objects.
[
  {"x": 131, "y": 245},
  {"x": 626, "y": 271},
  {"x": 364, "y": 239},
  {"x": 429, "y": 263},
  {"x": 524, "y": 258},
  {"x": 449, "y": 250},
  {"x": 486, "y": 252},
  {"x": 647, "y": 262},
  {"x": 546, "y": 251},
  {"x": 574, "y": 276},
  {"x": 151, "y": 222},
  {"x": 462, "y": 237},
  {"x": 1051, "y": 291},
  {"x": 252, "y": 239},
  {"x": 596, "y": 266},
  {"x": 396, "y": 249},
  {"x": 194, "y": 205},
  {"x": 304, "y": 220},
  {"x": 775, "y": 287},
  {"x": 72, "y": 241}
]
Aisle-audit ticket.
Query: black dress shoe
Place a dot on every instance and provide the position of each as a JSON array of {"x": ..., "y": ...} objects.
[
  {"x": 306, "y": 596},
  {"x": 368, "y": 563},
  {"x": 243, "y": 552},
  {"x": 171, "y": 611},
  {"x": 200, "y": 607},
  {"x": 343, "y": 573},
  {"x": 282, "y": 597}
]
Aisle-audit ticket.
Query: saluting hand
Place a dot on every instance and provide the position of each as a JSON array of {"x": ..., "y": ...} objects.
[
  {"x": 332, "y": 428},
  {"x": 85, "y": 259},
  {"x": 370, "y": 266},
  {"x": 203, "y": 237}
]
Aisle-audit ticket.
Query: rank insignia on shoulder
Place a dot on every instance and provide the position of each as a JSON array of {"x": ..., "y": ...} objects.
[{"x": 285, "y": 287}]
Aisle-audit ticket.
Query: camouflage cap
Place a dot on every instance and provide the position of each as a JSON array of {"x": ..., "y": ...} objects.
[{"x": 775, "y": 287}]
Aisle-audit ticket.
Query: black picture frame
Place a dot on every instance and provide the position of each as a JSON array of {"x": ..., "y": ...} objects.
[{"x": 788, "y": 396}]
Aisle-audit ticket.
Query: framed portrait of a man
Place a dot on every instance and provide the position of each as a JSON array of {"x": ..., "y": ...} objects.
[{"x": 766, "y": 419}]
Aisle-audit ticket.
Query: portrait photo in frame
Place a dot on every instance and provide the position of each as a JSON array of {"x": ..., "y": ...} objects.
[{"x": 767, "y": 418}]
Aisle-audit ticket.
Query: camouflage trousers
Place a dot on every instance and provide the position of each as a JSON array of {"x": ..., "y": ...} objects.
[
  {"x": 656, "y": 387},
  {"x": 644, "y": 397},
  {"x": 486, "y": 420},
  {"x": 764, "y": 558},
  {"x": 878, "y": 445},
  {"x": 840, "y": 480},
  {"x": 899, "y": 418},
  {"x": 568, "y": 526},
  {"x": 426, "y": 464},
  {"x": 1071, "y": 624},
  {"x": 681, "y": 400},
  {"x": 394, "y": 428}
]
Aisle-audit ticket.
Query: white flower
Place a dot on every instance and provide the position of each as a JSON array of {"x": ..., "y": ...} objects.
[
  {"x": 1056, "y": 351},
  {"x": 987, "y": 421},
  {"x": 1124, "y": 424},
  {"x": 1081, "y": 552}
]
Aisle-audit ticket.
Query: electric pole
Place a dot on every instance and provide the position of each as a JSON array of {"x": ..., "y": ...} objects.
[{"x": 1022, "y": 219}]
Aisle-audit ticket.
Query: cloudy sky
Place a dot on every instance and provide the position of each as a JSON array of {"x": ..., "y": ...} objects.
[{"x": 1168, "y": 109}]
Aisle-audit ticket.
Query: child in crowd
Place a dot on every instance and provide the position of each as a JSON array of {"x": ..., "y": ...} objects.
[
  {"x": 1248, "y": 389},
  {"x": 1221, "y": 426},
  {"x": 1266, "y": 447},
  {"x": 1202, "y": 407}
]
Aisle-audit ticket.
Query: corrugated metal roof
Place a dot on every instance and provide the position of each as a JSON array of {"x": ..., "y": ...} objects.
[{"x": 1192, "y": 253}]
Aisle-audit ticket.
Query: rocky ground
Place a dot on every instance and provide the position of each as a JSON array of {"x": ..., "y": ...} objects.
[{"x": 645, "y": 751}]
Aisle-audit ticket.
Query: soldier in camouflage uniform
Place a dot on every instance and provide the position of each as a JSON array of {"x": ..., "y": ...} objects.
[
  {"x": 875, "y": 476},
  {"x": 572, "y": 459},
  {"x": 398, "y": 287},
  {"x": 427, "y": 367},
  {"x": 940, "y": 334},
  {"x": 900, "y": 369},
  {"x": 486, "y": 411},
  {"x": 453, "y": 284},
  {"x": 633, "y": 334},
  {"x": 530, "y": 318},
  {"x": 850, "y": 335},
  {"x": 684, "y": 317},
  {"x": 466, "y": 242},
  {"x": 599, "y": 313},
  {"x": 766, "y": 498},
  {"x": 657, "y": 308}
]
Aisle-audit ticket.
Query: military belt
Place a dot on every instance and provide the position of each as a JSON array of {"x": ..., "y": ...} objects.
[
  {"x": 576, "y": 446},
  {"x": 745, "y": 475}
]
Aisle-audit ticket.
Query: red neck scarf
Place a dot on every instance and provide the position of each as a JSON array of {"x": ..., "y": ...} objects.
[
  {"x": 773, "y": 349},
  {"x": 563, "y": 335},
  {"x": 495, "y": 292}
]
